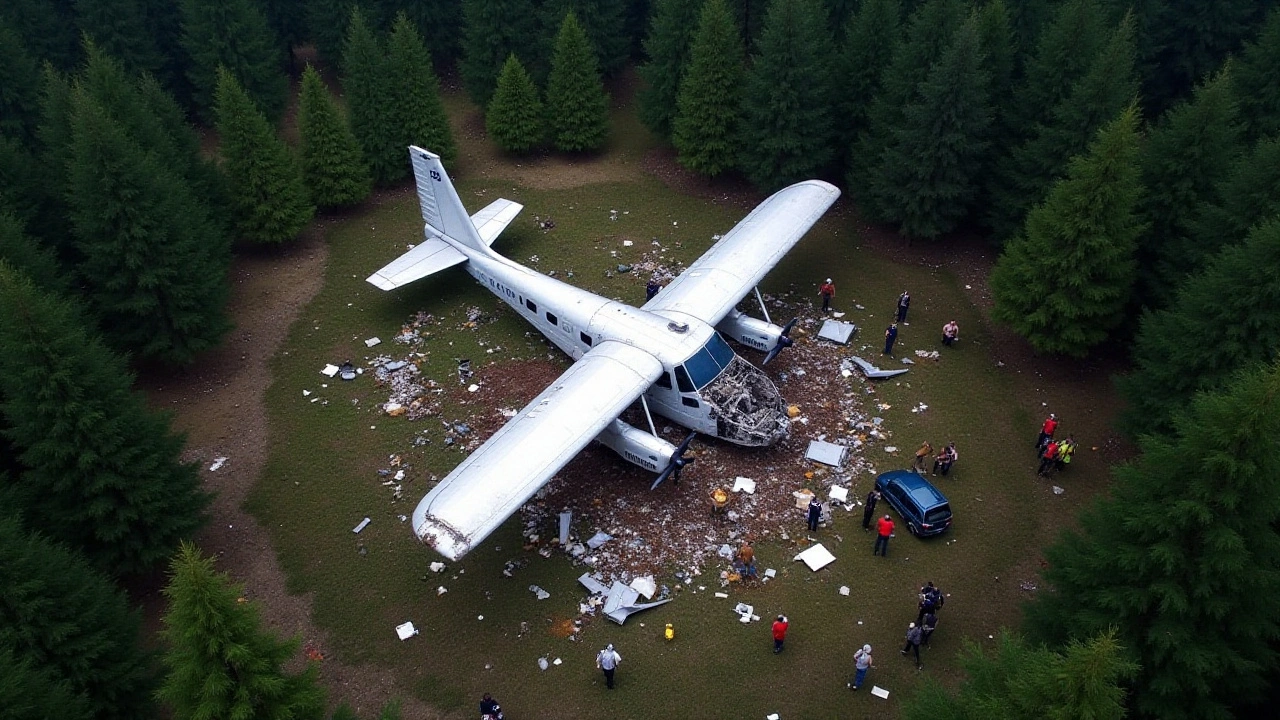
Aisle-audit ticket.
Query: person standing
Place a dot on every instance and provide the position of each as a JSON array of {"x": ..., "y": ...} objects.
[
  {"x": 779, "y": 633},
  {"x": 861, "y": 664},
  {"x": 904, "y": 303},
  {"x": 651, "y": 290},
  {"x": 944, "y": 459},
  {"x": 489, "y": 708},
  {"x": 746, "y": 560},
  {"x": 1046, "y": 431},
  {"x": 890, "y": 337},
  {"x": 1048, "y": 458},
  {"x": 950, "y": 333},
  {"x": 930, "y": 624},
  {"x": 815, "y": 513},
  {"x": 869, "y": 510},
  {"x": 914, "y": 637},
  {"x": 827, "y": 290},
  {"x": 884, "y": 530},
  {"x": 928, "y": 605},
  {"x": 921, "y": 456},
  {"x": 1066, "y": 449},
  {"x": 607, "y": 660}
]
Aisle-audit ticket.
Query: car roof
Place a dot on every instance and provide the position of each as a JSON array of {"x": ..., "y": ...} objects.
[{"x": 920, "y": 489}]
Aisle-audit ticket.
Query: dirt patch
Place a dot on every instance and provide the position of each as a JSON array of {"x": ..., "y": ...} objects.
[{"x": 219, "y": 403}]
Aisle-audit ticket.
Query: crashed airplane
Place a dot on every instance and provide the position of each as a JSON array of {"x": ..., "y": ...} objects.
[{"x": 669, "y": 354}]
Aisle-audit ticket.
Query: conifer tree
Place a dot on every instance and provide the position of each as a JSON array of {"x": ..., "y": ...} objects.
[
  {"x": 124, "y": 30},
  {"x": 232, "y": 35},
  {"x": 72, "y": 626},
  {"x": 153, "y": 267},
  {"x": 787, "y": 126},
  {"x": 221, "y": 661},
  {"x": 440, "y": 24},
  {"x": 332, "y": 164},
  {"x": 492, "y": 30},
  {"x": 103, "y": 472},
  {"x": 367, "y": 83},
  {"x": 327, "y": 25},
  {"x": 28, "y": 256},
  {"x": 1018, "y": 680},
  {"x": 21, "y": 83},
  {"x": 268, "y": 196},
  {"x": 601, "y": 20},
  {"x": 870, "y": 39},
  {"x": 929, "y": 175},
  {"x": 1222, "y": 319},
  {"x": 577, "y": 105},
  {"x": 31, "y": 692},
  {"x": 1247, "y": 196},
  {"x": 1185, "y": 564},
  {"x": 416, "y": 111},
  {"x": 1256, "y": 81},
  {"x": 669, "y": 46},
  {"x": 1064, "y": 283},
  {"x": 48, "y": 29},
  {"x": 1184, "y": 161},
  {"x": 705, "y": 131},
  {"x": 515, "y": 118}
]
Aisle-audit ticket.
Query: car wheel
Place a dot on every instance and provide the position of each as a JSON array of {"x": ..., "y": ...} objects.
[{"x": 911, "y": 528}]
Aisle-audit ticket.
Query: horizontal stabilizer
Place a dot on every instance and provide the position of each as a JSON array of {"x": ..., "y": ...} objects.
[
  {"x": 429, "y": 257},
  {"x": 494, "y": 218}
]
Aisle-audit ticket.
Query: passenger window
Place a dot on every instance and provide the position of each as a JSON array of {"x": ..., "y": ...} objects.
[
  {"x": 586, "y": 339},
  {"x": 531, "y": 305},
  {"x": 664, "y": 380},
  {"x": 682, "y": 379},
  {"x": 553, "y": 319},
  {"x": 689, "y": 402}
]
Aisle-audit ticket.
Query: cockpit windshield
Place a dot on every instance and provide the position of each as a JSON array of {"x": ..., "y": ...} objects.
[{"x": 709, "y": 361}]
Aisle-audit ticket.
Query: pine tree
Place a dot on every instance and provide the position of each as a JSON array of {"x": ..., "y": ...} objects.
[
  {"x": 601, "y": 20},
  {"x": 29, "y": 256},
  {"x": 221, "y": 662},
  {"x": 1222, "y": 319},
  {"x": 123, "y": 29},
  {"x": 232, "y": 35},
  {"x": 72, "y": 626},
  {"x": 416, "y": 110},
  {"x": 268, "y": 196},
  {"x": 328, "y": 24},
  {"x": 705, "y": 130},
  {"x": 48, "y": 29},
  {"x": 21, "y": 82},
  {"x": 870, "y": 39},
  {"x": 1185, "y": 564},
  {"x": 1184, "y": 161},
  {"x": 669, "y": 47},
  {"x": 1018, "y": 680},
  {"x": 577, "y": 105},
  {"x": 1257, "y": 84},
  {"x": 332, "y": 164},
  {"x": 787, "y": 127},
  {"x": 31, "y": 692},
  {"x": 492, "y": 30},
  {"x": 366, "y": 81},
  {"x": 440, "y": 23},
  {"x": 515, "y": 116},
  {"x": 1064, "y": 283},
  {"x": 103, "y": 472},
  {"x": 1247, "y": 196},
  {"x": 929, "y": 176}
]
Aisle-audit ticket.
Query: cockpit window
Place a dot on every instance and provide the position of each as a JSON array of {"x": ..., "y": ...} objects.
[{"x": 707, "y": 363}]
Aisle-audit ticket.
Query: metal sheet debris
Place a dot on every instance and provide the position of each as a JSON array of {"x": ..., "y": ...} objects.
[
  {"x": 874, "y": 372},
  {"x": 542, "y": 594},
  {"x": 816, "y": 557},
  {"x": 599, "y": 539},
  {"x": 593, "y": 585},
  {"x": 746, "y": 485},
  {"x": 879, "y": 692},
  {"x": 844, "y": 590},
  {"x": 329, "y": 370},
  {"x": 621, "y": 603},
  {"x": 372, "y": 341},
  {"x": 363, "y": 524},
  {"x": 565, "y": 519},
  {"x": 826, "y": 453},
  {"x": 839, "y": 494},
  {"x": 437, "y": 567},
  {"x": 406, "y": 630},
  {"x": 837, "y": 331},
  {"x": 645, "y": 586},
  {"x": 218, "y": 462}
]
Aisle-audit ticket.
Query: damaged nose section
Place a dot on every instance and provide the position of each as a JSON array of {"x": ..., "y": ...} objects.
[{"x": 746, "y": 406}]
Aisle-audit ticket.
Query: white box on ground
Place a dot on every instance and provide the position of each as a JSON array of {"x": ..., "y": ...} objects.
[
  {"x": 879, "y": 692},
  {"x": 839, "y": 494},
  {"x": 816, "y": 557},
  {"x": 406, "y": 630}
]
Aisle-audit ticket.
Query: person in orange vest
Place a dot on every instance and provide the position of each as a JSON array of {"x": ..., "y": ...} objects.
[
  {"x": 1046, "y": 431},
  {"x": 827, "y": 290},
  {"x": 779, "y": 633}
]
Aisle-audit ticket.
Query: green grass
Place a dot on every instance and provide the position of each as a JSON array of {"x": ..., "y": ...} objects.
[{"x": 322, "y": 479}]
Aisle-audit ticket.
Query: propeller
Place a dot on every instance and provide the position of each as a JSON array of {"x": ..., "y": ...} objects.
[
  {"x": 678, "y": 461},
  {"x": 784, "y": 341}
]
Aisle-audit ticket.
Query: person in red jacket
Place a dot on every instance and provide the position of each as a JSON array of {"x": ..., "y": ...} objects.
[
  {"x": 1046, "y": 431},
  {"x": 827, "y": 290},
  {"x": 884, "y": 530},
  {"x": 779, "y": 633},
  {"x": 1048, "y": 458}
]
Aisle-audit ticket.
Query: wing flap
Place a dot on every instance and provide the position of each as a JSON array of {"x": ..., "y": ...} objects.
[
  {"x": 503, "y": 473},
  {"x": 713, "y": 285}
]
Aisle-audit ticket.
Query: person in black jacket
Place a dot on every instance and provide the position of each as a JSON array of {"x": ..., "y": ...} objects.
[
  {"x": 489, "y": 708},
  {"x": 869, "y": 510}
]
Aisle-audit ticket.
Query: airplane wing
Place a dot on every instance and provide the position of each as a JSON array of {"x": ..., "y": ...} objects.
[
  {"x": 433, "y": 255},
  {"x": 504, "y": 472},
  {"x": 713, "y": 285}
]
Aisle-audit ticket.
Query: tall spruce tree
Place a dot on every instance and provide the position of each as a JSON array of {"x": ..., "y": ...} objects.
[
  {"x": 788, "y": 128},
  {"x": 492, "y": 30},
  {"x": 31, "y": 692},
  {"x": 515, "y": 118},
  {"x": 601, "y": 20},
  {"x": 705, "y": 130},
  {"x": 929, "y": 175},
  {"x": 48, "y": 29},
  {"x": 366, "y": 81},
  {"x": 221, "y": 662},
  {"x": 440, "y": 23},
  {"x": 1187, "y": 156},
  {"x": 1222, "y": 319},
  {"x": 1185, "y": 564},
  {"x": 332, "y": 164},
  {"x": 669, "y": 46},
  {"x": 871, "y": 37},
  {"x": 153, "y": 266},
  {"x": 103, "y": 472},
  {"x": 268, "y": 196},
  {"x": 1065, "y": 282},
  {"x": 72, "y": 627},
  {"x": 20, "y": 84},
  {"x": 1256, "y": 81},
  {"x": 233, "y": 35},
  {"x": 1247, "y": 196},
  {"x": 28, "y": 256},
  {"x": 327, "y": 25},
  {"x": 123, "y": 29},
  {"x": 1019, "y": 680},
  {"x": 416, "y": 111},
  {"x": 577, "y": 105}
]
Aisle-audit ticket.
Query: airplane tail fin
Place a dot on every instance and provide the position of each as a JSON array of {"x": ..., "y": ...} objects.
[{"x": 442, "y": 209}]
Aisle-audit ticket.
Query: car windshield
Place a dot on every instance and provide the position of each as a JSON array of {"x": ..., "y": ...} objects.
[
  {"x": 938, "y": 514},
  {"x": 709, "y": 361}
]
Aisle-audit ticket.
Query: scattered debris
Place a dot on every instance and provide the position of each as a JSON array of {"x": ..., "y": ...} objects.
[
  {"x": 372, "y": 341},
  {"x": 928, "y": 354},
  {"x": 746, "y": 485},
  {"x": 363, "y": 524},
  {"x": 872, "y": 371},
  {"x": 919, "y": 408},
  {"x": 437, "y": 567},
  {"x": 1057, "y": 490},
  {"x": 844, "y": 590},
  {"x": 329, "y": 370},
  {"x": 879, "y": 692},
  {"x": 837, "y": 331},
  {"x": 839, "y": 494},
  {"x": 406, "y": 630},
  {"x": 816, "y": 557},
  {"x": 218, "y": 462},
  {"x": 826, "y": 453},
  {"x": 542, "y": 594}
]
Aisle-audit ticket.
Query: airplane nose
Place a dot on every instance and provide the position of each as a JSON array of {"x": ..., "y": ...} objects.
[{"x": 747, "y": 406}]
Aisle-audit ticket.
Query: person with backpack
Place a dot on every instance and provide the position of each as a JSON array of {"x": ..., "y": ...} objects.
[{"x": 861, "y": 664}]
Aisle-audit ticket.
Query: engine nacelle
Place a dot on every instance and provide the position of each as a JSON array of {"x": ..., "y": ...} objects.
[
  {"x": 637, "y": 446},
  {"x": 753, "y": 333}
]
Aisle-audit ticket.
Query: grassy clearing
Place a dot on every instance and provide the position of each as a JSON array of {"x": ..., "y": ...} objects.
[{"x": 322, "y": 479}]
